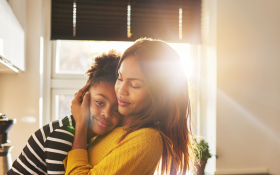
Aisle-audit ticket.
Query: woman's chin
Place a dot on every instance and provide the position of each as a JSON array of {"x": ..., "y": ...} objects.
[{"x": 124, "y": 112}]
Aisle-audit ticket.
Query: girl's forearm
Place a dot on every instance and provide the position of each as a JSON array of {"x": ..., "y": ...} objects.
[{"x": 80, "y": 138}]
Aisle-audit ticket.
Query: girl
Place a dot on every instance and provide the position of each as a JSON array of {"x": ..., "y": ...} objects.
[
  {"x": 152, "y": 92},
  {"x": 48, "y": 146}
]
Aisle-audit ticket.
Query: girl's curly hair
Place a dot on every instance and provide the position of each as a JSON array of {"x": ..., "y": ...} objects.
[{"x": 104, "y": 68}]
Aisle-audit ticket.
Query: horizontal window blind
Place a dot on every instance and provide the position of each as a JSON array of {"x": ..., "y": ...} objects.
[{"x": 119, "y": 20}]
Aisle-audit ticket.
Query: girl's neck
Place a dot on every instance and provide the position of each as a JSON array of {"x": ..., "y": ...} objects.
[{"x": 90, "y": 134}]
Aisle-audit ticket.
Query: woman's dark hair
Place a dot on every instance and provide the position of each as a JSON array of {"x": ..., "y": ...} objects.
[
  {"x": 104, "y": 68},
  {"x": 170, "y": 112}
]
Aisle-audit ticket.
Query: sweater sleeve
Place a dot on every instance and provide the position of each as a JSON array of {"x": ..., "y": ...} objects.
[{"x": 139, "y": 153}]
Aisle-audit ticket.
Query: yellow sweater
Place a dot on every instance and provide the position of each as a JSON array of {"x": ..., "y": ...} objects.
[{"x": 139, "y": 153}]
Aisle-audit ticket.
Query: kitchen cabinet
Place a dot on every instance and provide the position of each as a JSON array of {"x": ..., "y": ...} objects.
[{"x": 12, "y": 41}]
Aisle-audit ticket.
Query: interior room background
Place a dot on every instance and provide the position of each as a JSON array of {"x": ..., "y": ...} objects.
[{"x": 233, "y": 75}]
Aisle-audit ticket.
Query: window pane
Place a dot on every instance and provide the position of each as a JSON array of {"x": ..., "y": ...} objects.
[
  {"x": 63, "y": 105},
  {"x": 75, "y": 57}
]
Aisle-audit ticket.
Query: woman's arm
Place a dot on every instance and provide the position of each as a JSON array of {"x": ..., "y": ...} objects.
[{"x": 138, "y": 154}]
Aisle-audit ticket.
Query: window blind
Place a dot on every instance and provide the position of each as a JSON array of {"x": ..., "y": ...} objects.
[{"x": 126, "y": 20}]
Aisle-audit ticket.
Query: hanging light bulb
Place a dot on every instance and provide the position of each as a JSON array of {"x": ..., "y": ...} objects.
[
  {"x": 128, "y": 21},
  {"x": 74, "y": 17},
  {"x": 180, "y": 23}
]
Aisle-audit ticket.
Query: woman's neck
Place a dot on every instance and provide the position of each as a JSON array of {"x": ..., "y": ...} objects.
[{"x": 127, "y": 120}]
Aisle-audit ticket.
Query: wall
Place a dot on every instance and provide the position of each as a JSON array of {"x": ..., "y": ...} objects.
[
  {"x": 20, "y": 93},
  {"x": 208, "y": 80},
  {"x": 248, "y": 112}
]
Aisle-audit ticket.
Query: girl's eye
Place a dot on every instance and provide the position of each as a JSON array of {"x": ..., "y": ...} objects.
[
  {"x": 120, "y": 79},
  {"x": 99, "y": 102}
]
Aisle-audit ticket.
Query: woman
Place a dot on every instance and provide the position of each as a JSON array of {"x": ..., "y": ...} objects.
[{"x": 152, "y": 93}]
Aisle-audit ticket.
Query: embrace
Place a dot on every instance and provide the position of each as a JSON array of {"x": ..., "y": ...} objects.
[{"x": 132, "y": 117}]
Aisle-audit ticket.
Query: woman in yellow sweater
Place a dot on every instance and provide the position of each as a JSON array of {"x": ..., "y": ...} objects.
[{"x": 152, "y": 92}]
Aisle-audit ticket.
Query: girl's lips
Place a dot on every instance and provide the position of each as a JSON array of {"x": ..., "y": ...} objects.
[
  {"x": 123, "y": 103},
  {"x": 102, "y": 123}
]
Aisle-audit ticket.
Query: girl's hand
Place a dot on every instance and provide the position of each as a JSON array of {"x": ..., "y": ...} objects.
[{"x": 80, "y": 106}]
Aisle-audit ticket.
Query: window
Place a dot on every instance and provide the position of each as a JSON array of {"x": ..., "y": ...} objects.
[
  {"x": 71, "y": 59},
  {"x": 61, "y": 102},
  {"x": 75, "y": 57}
]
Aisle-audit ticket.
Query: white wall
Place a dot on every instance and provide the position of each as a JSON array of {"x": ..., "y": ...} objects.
[
  {"x": 19, "y": 93},
  {"x": 248, "y": 69},
  {"x": 208, "y": 80}
]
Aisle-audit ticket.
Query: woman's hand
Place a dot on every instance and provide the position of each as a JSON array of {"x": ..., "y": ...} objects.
[{"x": 80, "y": 106}]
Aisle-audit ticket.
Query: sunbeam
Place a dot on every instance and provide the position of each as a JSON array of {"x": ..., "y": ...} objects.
[{"x": 249, "y": 116}]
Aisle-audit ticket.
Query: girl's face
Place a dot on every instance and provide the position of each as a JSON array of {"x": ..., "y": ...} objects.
[
  {"x": 132, "y": 94},
  {"x": 103, "y": 108}
]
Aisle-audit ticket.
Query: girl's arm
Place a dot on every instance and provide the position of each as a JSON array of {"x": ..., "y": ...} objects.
[{"x": 81, "y": 113}]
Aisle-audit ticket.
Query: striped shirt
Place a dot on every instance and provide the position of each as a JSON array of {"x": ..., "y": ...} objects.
[{"x": 46, "y": 149}]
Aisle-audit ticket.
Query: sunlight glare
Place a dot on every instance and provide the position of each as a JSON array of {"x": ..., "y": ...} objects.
[{"x": 184, "y": 51}]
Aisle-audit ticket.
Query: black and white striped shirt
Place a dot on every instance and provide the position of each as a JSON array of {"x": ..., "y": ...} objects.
[{"x": 46, "y": 149}]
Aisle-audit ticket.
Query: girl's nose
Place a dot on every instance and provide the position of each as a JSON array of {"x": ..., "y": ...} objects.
[{"x": 106, "y": 113}]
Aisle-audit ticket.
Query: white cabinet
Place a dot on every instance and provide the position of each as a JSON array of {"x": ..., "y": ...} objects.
[{"x": 12, "y": 40}]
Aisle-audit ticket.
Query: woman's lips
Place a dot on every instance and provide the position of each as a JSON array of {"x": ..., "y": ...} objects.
[{"x": 123, "y": 103}]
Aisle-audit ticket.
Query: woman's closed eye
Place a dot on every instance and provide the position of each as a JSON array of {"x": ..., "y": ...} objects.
[{"x": 134, "y": 86}]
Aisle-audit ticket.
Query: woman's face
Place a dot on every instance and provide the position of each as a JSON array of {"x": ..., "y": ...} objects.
[
  {"x": 103, "y": 108},
  {"x": 132, "y": 94}
]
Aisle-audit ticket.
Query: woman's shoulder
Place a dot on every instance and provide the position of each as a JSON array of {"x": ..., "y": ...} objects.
[
  {"x": 143, "y": 132},
  {"x": 146, "y": 135},
  {"x": 149, "y": 131},
  {"x": 143, "y": 136}
]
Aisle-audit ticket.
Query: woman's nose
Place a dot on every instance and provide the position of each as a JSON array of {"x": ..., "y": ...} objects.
[{"x": 122, "y": 89}]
